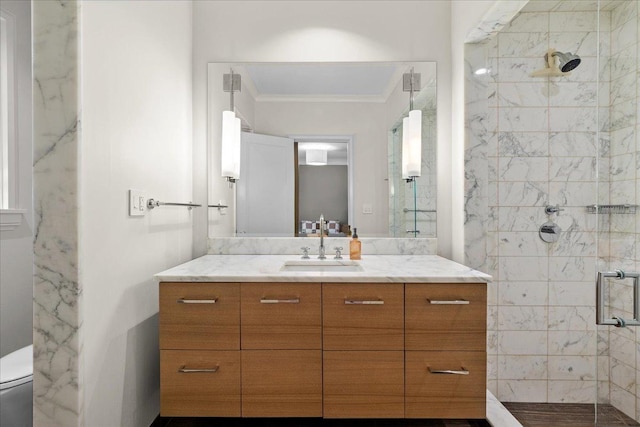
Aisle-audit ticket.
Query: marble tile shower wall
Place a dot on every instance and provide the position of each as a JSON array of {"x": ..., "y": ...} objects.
[{"x": 533, "y": 142}]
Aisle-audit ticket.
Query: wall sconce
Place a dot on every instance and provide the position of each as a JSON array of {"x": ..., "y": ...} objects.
[
  {"x": 316, "y": 157},
  {"x": 231, "y": 131},
  {"x": 411, "y": 131}
]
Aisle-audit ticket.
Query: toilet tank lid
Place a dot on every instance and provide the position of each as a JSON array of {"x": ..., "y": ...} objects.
[{"x": 16, "y": 365}]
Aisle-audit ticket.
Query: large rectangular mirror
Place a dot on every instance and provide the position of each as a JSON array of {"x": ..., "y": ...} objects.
[{"x": 321, "y": 138}]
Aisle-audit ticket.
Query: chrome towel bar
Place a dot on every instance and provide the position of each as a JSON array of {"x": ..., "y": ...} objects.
[
  {"x": 418, "y": 210},
  {"x": 153, "y": 203}
]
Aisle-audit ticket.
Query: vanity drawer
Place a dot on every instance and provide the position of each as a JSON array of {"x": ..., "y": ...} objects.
[
  {"x": 281, "y": 316},
  {"x": 445, "y": 316},
  {"x": 363, "y": 384},
  {"x": 203, "y": 316},
  {"x": 199, "y": 383},
  {"x": 437, "y": 386},
  {"x": 281, "y": 383},
  {"x": 363, "y": 316}
]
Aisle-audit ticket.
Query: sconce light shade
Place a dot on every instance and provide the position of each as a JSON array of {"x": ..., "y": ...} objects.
[
  {"x": 412, "y": 144},
  {"x": 316, "y": 157},
  {"x": 230, "y": 149}
]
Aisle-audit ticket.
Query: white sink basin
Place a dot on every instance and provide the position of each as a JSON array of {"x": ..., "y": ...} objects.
[{"x": 343, "y": 265}]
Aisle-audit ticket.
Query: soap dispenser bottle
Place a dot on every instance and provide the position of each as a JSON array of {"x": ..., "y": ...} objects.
[{"x": 355, "y": 246}]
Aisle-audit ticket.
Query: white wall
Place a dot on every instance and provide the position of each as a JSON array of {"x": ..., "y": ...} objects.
[
  {"x": 237, "y": 31},
  {"x": 16, "y": 246},
  {"x": 468, "y": 14},
  {"x": 136, "y": 69}
]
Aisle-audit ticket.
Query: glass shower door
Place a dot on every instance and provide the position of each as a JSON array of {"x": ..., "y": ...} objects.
[{"x": 617, "y": 221}]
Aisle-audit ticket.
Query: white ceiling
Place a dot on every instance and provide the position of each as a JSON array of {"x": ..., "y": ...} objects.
[{"x": 324, "y": 80}]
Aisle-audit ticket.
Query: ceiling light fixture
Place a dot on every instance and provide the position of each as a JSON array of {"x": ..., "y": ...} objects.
[{"x": 316, "y": 157}]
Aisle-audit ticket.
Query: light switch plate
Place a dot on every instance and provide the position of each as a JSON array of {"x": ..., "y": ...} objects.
[
  {"x": 137, "y": 203},
  {"x": 367, "y": 208}
]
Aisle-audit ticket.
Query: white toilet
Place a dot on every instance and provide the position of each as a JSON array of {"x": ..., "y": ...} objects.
[{"x": 16, "y": 388}]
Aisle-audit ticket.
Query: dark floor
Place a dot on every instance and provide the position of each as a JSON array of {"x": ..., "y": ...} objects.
[
  {"x": 311, "y": 422},
  {"x": 569, "y": 415},
  {"x": 529, "y": 414}
]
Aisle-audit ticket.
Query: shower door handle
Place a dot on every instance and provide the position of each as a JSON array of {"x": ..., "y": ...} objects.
[{"x": 616, "y": 320}]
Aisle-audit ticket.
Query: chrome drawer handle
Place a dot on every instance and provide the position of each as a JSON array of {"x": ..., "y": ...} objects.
[
  {"x": 448, "y": 302},
  {"x": 280, "y": 301},
  {"x": 363, "y": 302},
  {"x": 462, "y": 371},
  {"x": 197, "y": 301},
  {"x": 184, "y": 370}
]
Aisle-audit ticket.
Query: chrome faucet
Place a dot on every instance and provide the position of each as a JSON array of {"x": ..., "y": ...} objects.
[{"x": 321, "y": 254}]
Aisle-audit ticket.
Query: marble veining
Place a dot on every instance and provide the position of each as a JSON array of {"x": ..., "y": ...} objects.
[
  {"x": 498, "y": 415},
  {"x": 500, "y": 14},
  {"x": 57, "y": 291},
  {"x": 292, "y": 245},
  {"x": 375, "y": 268}
]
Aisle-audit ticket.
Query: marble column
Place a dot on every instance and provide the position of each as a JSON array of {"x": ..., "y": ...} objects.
[{"x": 57, "y": 293}]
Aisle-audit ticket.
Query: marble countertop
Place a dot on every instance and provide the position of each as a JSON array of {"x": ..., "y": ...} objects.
[{"x": 375, "y": 268}]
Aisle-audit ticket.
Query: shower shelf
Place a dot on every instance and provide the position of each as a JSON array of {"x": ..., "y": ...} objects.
[{"x": 612, "y": 209}]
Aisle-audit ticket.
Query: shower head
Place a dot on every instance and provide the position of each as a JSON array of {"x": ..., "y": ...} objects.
[{"x": 567, "y": 61}]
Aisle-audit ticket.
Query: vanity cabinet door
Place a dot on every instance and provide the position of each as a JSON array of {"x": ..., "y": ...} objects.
[
  {"x": 281, "y": 316},
  {"x": 446, "y": 316},
  {"x": 363, "y": 384},
  {"x": 202, "y": 316},
  {"x": 199, "y": 383},
  {"x": 445, "y": 384},
  {"x": 363, "y": 316},
  {"x": 281, "y": 383}
]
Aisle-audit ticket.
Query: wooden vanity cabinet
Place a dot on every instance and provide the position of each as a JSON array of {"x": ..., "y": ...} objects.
[
  {"x": 333, "y": 350},
  {"x": 445, "y": 350},
  {"x": 281, "y": 383},
  {"x": 200, "y": 383},
  {"x": 281, "y": 342},
  {"x": 445, "y": 384},
  {"x": 363, "y": 342},
  {"x": 200, "y": 349},
  {"x": 281, "y": 316},
  {"x": 363, "y": 384},
  {"x": 363, "y": 316},
  {"x": 446, "y": 316},
  {"x": 203, "y": 316}
]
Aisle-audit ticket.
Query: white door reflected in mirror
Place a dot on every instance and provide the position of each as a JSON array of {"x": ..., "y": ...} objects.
[{"x": 265, "y": 192}]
